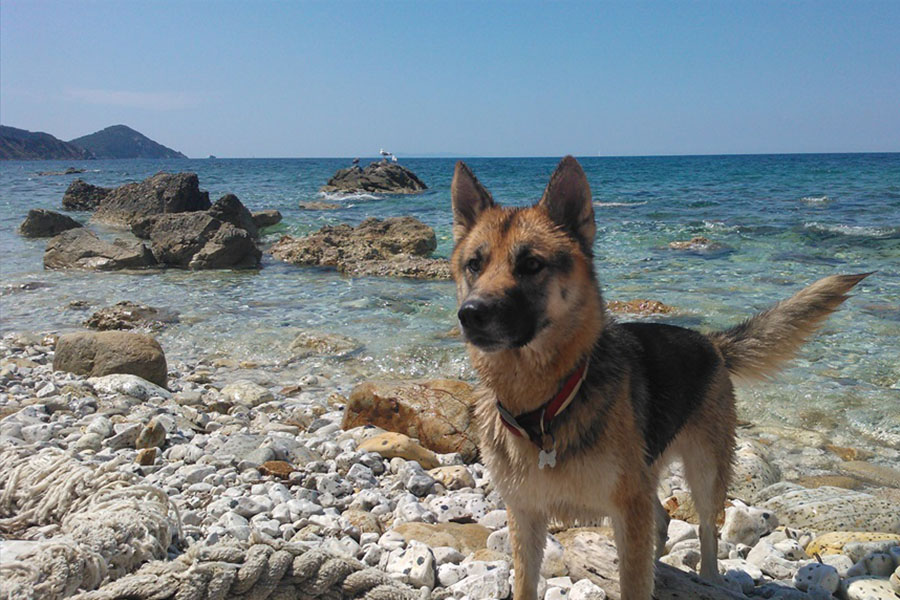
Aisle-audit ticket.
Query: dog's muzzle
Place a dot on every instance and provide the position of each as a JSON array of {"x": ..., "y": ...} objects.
[{"x": 494, "y": 325}]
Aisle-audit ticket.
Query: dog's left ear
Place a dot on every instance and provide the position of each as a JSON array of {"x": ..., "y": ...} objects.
[{"x": 568, "y": 201}]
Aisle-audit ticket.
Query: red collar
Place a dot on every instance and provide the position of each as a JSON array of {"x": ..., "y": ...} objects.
[{"x": 535, "y": 425}]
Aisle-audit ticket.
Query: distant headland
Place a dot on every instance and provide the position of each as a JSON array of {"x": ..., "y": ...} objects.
[{"x": 117, "y": 141}]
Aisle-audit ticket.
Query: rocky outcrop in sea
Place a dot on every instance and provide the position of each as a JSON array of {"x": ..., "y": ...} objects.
[
  {"x": 45, "y": 223},
  {"x": 381, "y": 177},
  {"x": 394, "y": 247}
]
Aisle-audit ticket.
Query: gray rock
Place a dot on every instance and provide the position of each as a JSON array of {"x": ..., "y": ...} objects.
[
  {"x": 128, "y": 385},
  {"x": 229, "y": 209},
  {"x": 162, "y": 193},
  {"x": 247, "y": 393},
  {"x": 46, "y": 223},
  {"x": 83, "y": 196},
  {"x": 266, "y": 218},
  {"x": 378, "y": 177},
  {"x": 153, "y": 435},
  {"x": 82, "y": 249}
]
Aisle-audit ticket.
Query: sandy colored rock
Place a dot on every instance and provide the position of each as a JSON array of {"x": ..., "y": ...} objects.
[
  {"x": 276, "y": 468},
  {"x": 109, "y": 352},
  {"x": 834, "y": 542},
  {"x": 393, "y": 247},
  {"x": 849, "y": 453},
  {"x": 464, "y": 537},
  {"x": 436, "y": 412},
  {"x": 454, "y": 477},
  {"x": 390, "y": 444},
  {"x": 640, "y": 307},
  {"x": 146, "y": 456},
  {"x": 153, "y": 435},
  {"x": 841, "y": 481},
  {"x": 365, "y": 521}
]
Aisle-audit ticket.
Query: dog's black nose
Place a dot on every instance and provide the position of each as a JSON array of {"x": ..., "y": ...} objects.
[{"x": 473, "y": 314}]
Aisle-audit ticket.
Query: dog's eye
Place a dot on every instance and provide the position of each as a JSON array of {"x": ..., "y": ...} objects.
[
  {"x": 474, "y": 265},
  {"x": 530, "y": 265}
]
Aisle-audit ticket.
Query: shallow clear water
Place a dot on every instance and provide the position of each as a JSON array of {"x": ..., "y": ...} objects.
[{"x": 784, "y": 221}]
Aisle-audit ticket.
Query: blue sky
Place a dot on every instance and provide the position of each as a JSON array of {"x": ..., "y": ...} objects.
[{"x": 496, "y": 78}]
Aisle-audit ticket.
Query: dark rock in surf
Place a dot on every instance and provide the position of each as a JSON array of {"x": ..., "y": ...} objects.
[
  {"x": 81, "y": 195},
  {"x": 379, "y": 177},
  {"x": 46, "y": 223},
  {"x": 163, "y": 193},
  {"x": 82, "y": 249}
]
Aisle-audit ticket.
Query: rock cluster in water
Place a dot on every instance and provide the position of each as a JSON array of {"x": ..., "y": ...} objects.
[
  {"x": 381, "y": 177},
  {"x": 397, "y": 246},
  {"x": 184, "y": 229},
  {"x": 243, "y": 453}
]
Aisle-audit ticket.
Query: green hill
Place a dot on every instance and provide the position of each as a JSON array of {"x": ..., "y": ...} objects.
[
  {"x": 20, "y": 144},
  {"x": 120, "y": 141}
]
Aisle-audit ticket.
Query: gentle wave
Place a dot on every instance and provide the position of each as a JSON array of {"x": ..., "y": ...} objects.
[
  {"x": 613, "y": 204},
  {"x": 342, "y": 196},
  {"x": 854, "y": 230},
  {"x": 815, "y": 199}
]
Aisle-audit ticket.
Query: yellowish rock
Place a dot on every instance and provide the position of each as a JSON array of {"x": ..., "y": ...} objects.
[
  {"x": 464, "y": 537},
  {"x": 365, "y": 521},
  {"x": 834, "y": 542},
  {"x": 487, "y": 555},
  {"x": 146, "y": 456},
  {"x": 390, "y": 445},
  {"x": 453, "y": 478}
]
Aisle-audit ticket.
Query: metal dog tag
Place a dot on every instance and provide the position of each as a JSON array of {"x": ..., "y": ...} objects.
[{"x": 547, "y": 459}]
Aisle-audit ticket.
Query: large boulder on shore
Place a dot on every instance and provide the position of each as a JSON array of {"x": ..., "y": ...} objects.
[
  {"x": 81, "y": 195},
  {"x": 230, "y": 210},
  {"x": 45, "y": 223},
  {"x": 109, "y": 352},
  {"x": 394, "y": 247},
  {"x": 437, "y": 412},
  {"x": 379, "y": 178},
  {"x": 82, "y": 249},
  {"x": 162, "y": 193}
]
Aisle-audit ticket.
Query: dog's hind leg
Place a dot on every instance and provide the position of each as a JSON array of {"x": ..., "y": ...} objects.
[
  {"x": 707, "y": 448},
  {"x": 662, "y": 529},
  {"x": 528, "y": 536}
]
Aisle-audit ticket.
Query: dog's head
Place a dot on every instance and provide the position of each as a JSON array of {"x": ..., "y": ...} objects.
[{"x": 524, "y": 274}]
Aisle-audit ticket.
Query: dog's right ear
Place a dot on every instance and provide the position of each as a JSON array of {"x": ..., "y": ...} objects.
[{"x": 469, "y": 199}]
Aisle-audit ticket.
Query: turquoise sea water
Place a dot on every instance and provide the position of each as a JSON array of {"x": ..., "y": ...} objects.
[{"x": 783, "y": 221}]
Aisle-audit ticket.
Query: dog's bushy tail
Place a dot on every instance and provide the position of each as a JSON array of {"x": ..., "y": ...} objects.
[{"x": 761, "y": 345}]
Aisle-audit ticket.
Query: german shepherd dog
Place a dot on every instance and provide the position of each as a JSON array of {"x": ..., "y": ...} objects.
[{"x": 577, "y": 413}]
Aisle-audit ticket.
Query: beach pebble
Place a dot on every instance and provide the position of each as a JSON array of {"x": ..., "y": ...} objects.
[
  {"x": 484, "y": 580},
  {"x": 738, "y": 580},
  {"x": 679, "y": 531},
  {"x": 413, "y": 564},
  {"x": 867, "y": 588},
  {"x": 753, "y": 470},
  {"x": 460, "y": 506},
  {"x": 770, "y": 561},
  {"x": 746, "y": 524},
  {"x": 585, "y": 589},
  {"x": 128, "y": 385},
  {"x": 453, "y": 477},
  {"x": 816, "y": 574},
  {"x": 246, "y": 393}
]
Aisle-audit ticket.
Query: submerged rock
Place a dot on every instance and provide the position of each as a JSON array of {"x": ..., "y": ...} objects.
[
  {"x": 435, "y": 412},
  {"x": 162, "y": 193},
  {"x": 110, "y": 352},
  {"x": 266, "y": 218},
  {"x": 394, "y": 247},
  {"x": 81, "y": 195},
  {"x": 82, "y": 249},
  {"x": 45, "y": 223},
  {"x": 378, "y": 177},
  {"x": 130, "y": 315},
  {"x": 640, "y": 307}
]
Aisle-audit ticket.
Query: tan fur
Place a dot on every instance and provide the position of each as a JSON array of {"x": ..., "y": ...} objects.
[{"x": 608, "y": 476}]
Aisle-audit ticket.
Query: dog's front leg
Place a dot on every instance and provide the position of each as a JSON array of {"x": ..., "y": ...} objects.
[
  {"x": 528, "y": 535},
  {"x": 634, "y": 530}
]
